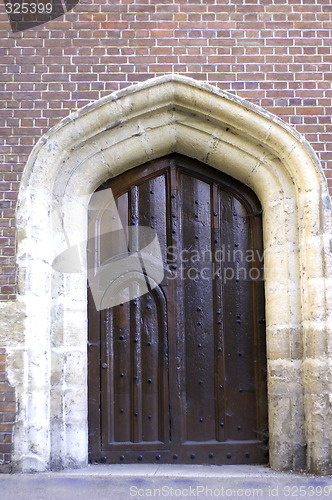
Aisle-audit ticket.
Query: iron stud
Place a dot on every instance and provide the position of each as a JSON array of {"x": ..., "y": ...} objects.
[
  {"x": 122, "y": 410},
  {"x": 211, "y": 455},
  {"x": 200, "y": 382},
  {"x": 220, "y": 387},
  {"x": 201, "y": 420},
  {"x": 136, "y": 377},
  {"x": 219, "y": 322},
  {"x": 148, "y": 307},
  {"x": 152, "y": 226},
  {"x": 229, "y": 455},
  {"x": 199, "y": 323},
  {"x": 199, "y": 345},
  {"x": 196, "y": 216},
  {"x": 215, "y": 213},
  {"x": 140, "y": 458},
  {"x": 136, "y": 414},
  {"x": 121, "y": 374},
  {"x": 152, "y": 192},
  {"x": 149, "y": 417},
  {"x": 158, "y": 457},
  {"x": 175, "y": 456},
  {"x": 149, "y": 381},
  {"x": 121, "y": 337},
  {"x": 122, "y": 458},
  {"x": 134, "y": 304},
  {"x": 247, "y": 454},
  {"x": 136, "y": 340},
  {"x": 199, "y": 308},
  {"x": 104, "y": 365},
  {"x": 153, "y": 216},
  {"x": 221, "y": 424},
  {"x": 193, "y": 456},
  {"x": 196, "y": 202},
  {"x": 173, "y": 196},
  {"x": 148, "y": 344},
  {"x": 219, "y": 349}
]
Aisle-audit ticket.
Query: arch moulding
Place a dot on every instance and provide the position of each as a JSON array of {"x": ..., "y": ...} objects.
[{"x": 48, "y": 359}]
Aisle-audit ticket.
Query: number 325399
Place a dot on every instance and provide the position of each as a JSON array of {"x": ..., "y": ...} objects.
[{"x": 28, "y": 8}]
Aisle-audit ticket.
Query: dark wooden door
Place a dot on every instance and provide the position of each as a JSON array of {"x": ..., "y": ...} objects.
[{"x": 179, "y": 374}]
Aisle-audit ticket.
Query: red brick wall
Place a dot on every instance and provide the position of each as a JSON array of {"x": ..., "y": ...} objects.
[
  {"x": 7, "y": 416},
  {"x": 275, "y": 53}
]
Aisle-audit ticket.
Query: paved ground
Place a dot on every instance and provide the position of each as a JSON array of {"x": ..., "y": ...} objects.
[{"x": 126, "y": 482}]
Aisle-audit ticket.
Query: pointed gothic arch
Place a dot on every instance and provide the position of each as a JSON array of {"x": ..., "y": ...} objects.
[{"x": 123, "y": 130}]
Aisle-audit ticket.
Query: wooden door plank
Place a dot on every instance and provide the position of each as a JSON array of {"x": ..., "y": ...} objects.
[
  {"x": 218, "y": 300},
  {"x": 198, "y": 309}
]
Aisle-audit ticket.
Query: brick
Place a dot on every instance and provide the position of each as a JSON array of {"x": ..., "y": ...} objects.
[
  {"x": 7, "y": 407},
  {"x": 8, "y": 428},
  {"x": 7, "y": 417},
  {"x": 5, "y": 468},
  {"x": 5, "y": 438},
  {"x": 10, "y": 397},
  {"x": 5, "y": 447}
]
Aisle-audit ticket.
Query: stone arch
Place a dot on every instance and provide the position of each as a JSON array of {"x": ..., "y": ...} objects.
[{"x": 127, "y": 128}]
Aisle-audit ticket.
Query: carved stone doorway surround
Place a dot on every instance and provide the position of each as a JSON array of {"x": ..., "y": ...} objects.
[{"x": 47, "y": 360}]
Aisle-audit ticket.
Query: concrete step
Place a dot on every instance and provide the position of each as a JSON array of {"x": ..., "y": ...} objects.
[{"x": 127, "y": 482}]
